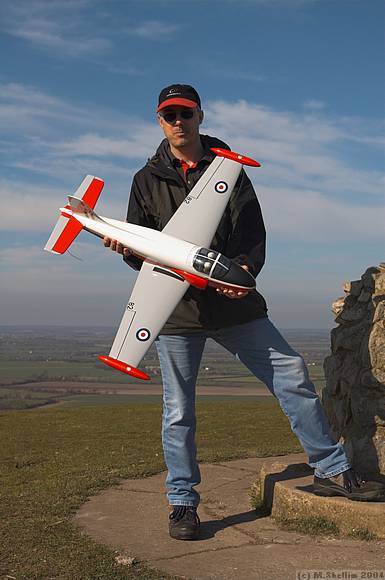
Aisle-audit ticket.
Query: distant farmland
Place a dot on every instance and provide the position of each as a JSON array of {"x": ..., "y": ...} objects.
[{"x": 40, "y": 365}]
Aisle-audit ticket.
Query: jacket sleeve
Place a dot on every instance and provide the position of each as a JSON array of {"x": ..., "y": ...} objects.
[
  {"x": 247, "y": 241},
  {"x": 136, "y": 214}
]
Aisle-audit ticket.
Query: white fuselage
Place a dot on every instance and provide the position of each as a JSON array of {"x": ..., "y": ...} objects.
[
  {"x": 145, "y": 242},
  {"x": 155, "y": 245},
  {"x": 163, "y": 249}
]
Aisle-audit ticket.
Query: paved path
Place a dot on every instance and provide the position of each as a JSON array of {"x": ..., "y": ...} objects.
[{"x": 234, "y": 544}]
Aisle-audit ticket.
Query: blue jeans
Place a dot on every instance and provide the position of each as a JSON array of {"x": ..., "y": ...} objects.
[{"x": 263, "y": 350}]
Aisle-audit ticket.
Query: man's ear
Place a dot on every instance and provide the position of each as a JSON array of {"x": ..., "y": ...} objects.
[{"x": 201, "y": 116}]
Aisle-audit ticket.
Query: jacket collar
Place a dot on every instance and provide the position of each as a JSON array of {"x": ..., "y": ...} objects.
[{"x": 163, "y": 162}]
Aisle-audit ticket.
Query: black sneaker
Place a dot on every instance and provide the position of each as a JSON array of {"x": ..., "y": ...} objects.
[
  {"x": 184, "y": 523},
  {"x": 351, "y": 485}
]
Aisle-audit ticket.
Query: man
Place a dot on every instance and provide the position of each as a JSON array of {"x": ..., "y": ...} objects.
[{"x": 236, "y": 320}]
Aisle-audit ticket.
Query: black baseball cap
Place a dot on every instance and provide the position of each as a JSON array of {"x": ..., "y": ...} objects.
[{"x": 184, "y": 95}]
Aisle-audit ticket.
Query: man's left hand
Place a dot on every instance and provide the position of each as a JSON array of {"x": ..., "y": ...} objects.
[{"x": 233, "y": 294}]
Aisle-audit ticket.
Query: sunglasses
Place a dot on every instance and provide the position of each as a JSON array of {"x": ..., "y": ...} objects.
[{"x": 171, "y": 116}]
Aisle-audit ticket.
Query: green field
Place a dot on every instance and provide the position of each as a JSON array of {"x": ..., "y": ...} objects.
[
  {"x": 231, "y": 373},
  {"x": 70, "y": 354},
  {"x": 59, "y": 370},
  {"x": 24, "y": 399},
  {"x": 53, "y": 458},
  {"x": 117, "y": 400}
]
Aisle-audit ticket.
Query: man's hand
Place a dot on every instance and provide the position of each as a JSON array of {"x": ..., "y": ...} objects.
[
  {"x": 233, "y": 294},
  {"x": 116, "y": 246}
]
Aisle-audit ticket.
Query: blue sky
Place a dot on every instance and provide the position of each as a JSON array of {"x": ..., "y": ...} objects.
[{"x": 296, "y": 84}]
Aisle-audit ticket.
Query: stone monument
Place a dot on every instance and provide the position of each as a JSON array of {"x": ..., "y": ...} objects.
[{"x": 354, "y": 395}]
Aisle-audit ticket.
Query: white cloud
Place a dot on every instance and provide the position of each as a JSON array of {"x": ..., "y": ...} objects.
[
  {"x": 49, "y": 136},
  {"x": 248, "y": 119},
  {"x": 27, "y": 111},
  {"x": 153, "y": 30},
  {"x": 57, "y": 25},
  {"x": 27, "y": 207},
  {"x": 314, "y": 104},
  {"x": 300, "y": 150},
  {"x": 18, "y": 259},
  {"x": 279, "y": 3},
  {"x": 35, "y": 208},
  {"x": 313, "y": 217},
  {"x": 304, "y": 179},
  {"x": 43, "y": 288},
  {"x": 77, "y": 29},
  {"x": 20, "y": 93},
  {"x": 43, "y": 272},
  {"x": 138, "y": 147},
  {"x": 44, "y": 35}
]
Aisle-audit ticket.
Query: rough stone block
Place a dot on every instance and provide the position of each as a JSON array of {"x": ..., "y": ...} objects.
[
  {"x": 338, "y": 305},
  {"x": 354, "y": 394},
  {"x": 369, "y": 276},
  {"x": 364, "y": 296},
  {"x": 351, "y": 314}
]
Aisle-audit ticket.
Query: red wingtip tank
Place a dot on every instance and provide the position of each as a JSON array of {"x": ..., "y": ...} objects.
[
  {"x": 124, "y": 368},
  {"x": 235, "y": 157}
]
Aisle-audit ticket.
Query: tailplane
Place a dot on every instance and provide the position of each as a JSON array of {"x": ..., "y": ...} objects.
[{"x": 67, "y": 226}]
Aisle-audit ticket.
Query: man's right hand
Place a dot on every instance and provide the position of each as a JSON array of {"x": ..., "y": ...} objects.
[{"x": 116, "y": 246}]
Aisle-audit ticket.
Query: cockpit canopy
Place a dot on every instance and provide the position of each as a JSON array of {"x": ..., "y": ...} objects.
[
  {"x": 211, "y": 263},
  {"x": 217, "y": 267}
]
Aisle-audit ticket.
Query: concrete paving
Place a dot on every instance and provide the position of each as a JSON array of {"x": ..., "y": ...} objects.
[{"x": 235, "y": 544}]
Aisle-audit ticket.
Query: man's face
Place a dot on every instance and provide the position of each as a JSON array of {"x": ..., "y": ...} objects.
[{"x": 180, "y": 124}]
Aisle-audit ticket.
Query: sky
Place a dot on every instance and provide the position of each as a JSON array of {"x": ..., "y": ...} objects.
[{"x": 296, "y": 84}]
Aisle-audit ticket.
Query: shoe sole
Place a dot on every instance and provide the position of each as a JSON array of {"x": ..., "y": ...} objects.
[
  {"x": 329, "y": 492},
  {"x": 181, "y": 536}
]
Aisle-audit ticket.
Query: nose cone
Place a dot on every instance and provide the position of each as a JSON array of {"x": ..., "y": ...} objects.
[
  {"x": 239, "y": 277},
  {"x": 233, "y": 274}
]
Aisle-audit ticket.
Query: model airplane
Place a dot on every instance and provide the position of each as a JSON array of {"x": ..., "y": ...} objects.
[{"x": 173, "y": 259}]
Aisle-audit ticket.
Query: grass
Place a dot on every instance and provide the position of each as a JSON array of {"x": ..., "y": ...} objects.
[
  {"x": 363, "y": 534},
  {"x": 312, "y": 525},
  {"x": 52, "y": 459},
  {"x": 24, "y": 399},
  {"x": 256, "y": 500},
  {"x": 321, "y": 526}
]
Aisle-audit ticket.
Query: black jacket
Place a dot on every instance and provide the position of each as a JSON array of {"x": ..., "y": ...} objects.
[{"x": 157, "y": 191}]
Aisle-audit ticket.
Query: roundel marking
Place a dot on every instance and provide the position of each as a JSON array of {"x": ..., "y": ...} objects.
[
  {"x": 221, "y": 187},
  {"x": 143, "y": 334}
]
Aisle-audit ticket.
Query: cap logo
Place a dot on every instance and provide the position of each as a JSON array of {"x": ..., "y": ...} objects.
[{"x": 173, "y": 92}]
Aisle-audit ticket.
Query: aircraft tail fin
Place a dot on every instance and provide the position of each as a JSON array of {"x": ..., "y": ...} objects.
[
  {"x": 79, "y": 206},
  {"x": 67, "y": 226}
]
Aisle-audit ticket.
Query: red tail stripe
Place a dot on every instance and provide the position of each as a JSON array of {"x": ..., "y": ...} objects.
[
  {"x": 71, "y": 230},
  {"x": 93, "y": 191}
]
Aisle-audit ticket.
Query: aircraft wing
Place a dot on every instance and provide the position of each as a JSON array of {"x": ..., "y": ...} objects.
[
  {"x": 197, "y": 218},
  {"x": 156, "y": 293}
]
